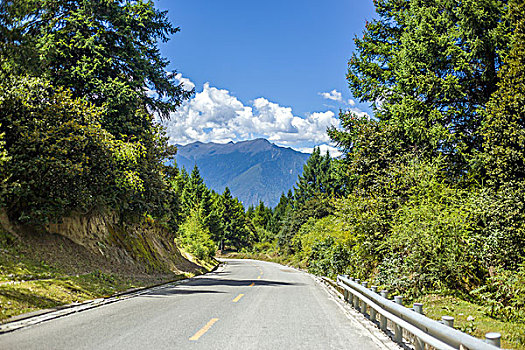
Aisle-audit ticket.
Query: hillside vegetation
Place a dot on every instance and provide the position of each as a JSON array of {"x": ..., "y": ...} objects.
[
  {"x": 427, "y": 199},
  {"x": 429, "y": 195},
  {"x": 85, "y": 198}
]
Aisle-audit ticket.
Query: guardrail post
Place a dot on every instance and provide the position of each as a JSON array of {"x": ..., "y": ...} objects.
[
  {"x": 356, "y": 299},
  {"x": 382, "y": 318},
  {"x": 350, "y": 295},
  {"x": 373, "y": 314},
  {"x": 418, "y": 307},
  {"x": 493, "y": 338},
  {"x": 363, "y": 304},
  {"x": 398, "y": 331},
  {"x": 422, "y": 331},
  {"x": 448, "y": 321},
  {"x": 418, "y": 344}
]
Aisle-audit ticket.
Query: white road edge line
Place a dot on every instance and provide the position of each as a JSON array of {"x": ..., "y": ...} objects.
[{"x": 89, "y": 304}]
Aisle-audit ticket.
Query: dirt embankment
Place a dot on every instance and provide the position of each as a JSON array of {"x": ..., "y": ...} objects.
[
  {"x": 86, "y": 243},
  {"x": 83, "y": 257}
]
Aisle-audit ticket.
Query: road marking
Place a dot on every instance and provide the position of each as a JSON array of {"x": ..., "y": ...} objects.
[
  {"x": 204, "y": 329},
  {"x": 238, "y": 297},
  {"x": 251, "y": 285}
]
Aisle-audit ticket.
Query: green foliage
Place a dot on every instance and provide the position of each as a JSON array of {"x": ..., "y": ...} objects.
[
  {"x": 315, "y": 179},
  {"x": 3, "y": 152},
  {"x": 237, "y": 230},
  {"x": 505, "y": 294},
  {"x": 501, "y": 219},
  {"x": 432, "y": 236},
  {"x": 503, "y": 129},
  {"x": 103, "y": 51},
  {"x": 194, "y": 237},
  {"x": 316, "y": 207},
  {"x": 261, "y": 215},
  {"x": 193, "y": 191},
  {"x": 61, "y": 158},
  {"x": 76, "y": 108},
  {"x": 371, "y": 150},
  {"x": 279, "y": 212},
  {"x": 428, "y": 68}
]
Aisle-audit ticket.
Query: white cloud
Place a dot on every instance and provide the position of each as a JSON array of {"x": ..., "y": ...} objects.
[
  {"x": 334, "y": 151},
  {"x": 187, "y": 83},
  {"x": 214, "y": 115},
  {"x": 359, "y": 112},
  {"x": 333, "y": 95}
]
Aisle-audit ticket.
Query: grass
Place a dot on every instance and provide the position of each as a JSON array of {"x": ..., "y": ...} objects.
[
  {"x": 28, "y": 285},
  {"x": 25, "y": 296},
  {"x": 473, "y": 319},
  {"x": 468, "y": 317}
]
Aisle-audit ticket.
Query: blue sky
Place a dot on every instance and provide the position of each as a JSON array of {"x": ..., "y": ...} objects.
[{"x": 263, "y": 68}]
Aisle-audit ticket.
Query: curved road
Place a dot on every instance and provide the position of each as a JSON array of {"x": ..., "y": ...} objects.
[{"x": 247, "y": 304}]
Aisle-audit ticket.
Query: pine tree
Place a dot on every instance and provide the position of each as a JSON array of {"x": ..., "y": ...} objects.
[
  {"x": 236, "y": 232},
  {"x": 193, "y": 192},
  {"x": 428, "y": 67},
  {"x": 315, "y": 179},
  {"x": 504, "y": 126},
  {"x": 279, "y": 212},
  {"x": 210, "y": 214},
  {"x": 261, "y": 216}
]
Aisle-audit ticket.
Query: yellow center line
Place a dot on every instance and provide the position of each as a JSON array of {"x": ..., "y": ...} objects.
[
  {"x": 204, "y": 329},
  {"x": 237, "y": 298},
  {"x": 251, "y": 285}
]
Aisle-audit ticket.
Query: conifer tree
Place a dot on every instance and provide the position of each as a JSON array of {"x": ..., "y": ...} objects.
[
  {"x": 504, "y": 127},
  {"x": 261, "y": 215},
  {"x": 193, "y": 192},
  {"x": 315, "y": 179},
  {"x": 428, "y": 68},
  {"x": 236, "y": 229}
]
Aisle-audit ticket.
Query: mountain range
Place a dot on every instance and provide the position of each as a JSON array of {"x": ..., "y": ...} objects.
[{"x": 254, "y": 170}]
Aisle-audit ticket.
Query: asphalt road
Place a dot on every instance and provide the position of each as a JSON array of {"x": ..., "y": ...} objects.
[{"x": 247, "y": 304}]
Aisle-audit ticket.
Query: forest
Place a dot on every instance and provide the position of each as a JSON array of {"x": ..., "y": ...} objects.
[{"x": 428, "y": 195}]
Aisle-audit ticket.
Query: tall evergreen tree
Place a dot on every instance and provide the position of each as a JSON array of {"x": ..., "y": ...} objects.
[
  {"x": 261, "y": 216},
  {"x": 427, "y": 67},
  {"x": 194, "y": 191},
  {"x": 504, "y": 127},
  {"x": 236, "y": 229},
  {"x": 279, "y": 212},
  {"x": 315, "y": 179}
]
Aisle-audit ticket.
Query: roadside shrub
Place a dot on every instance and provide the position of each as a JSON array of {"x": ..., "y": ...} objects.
[
  {"x": 194, "y": 237},
  {"x": 501, "y": 217},
  {"x": 61, "y": 159},
  {"x": 504, "y": 294}
]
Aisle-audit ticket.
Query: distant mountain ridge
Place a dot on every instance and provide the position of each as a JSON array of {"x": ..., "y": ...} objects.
[{"x": 253, "y": 170}]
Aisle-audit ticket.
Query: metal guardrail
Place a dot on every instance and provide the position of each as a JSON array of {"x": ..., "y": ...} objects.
[{"x": 439, "y": 335}]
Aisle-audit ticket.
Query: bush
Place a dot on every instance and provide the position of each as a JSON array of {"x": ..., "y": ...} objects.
[
  {"x": 194, "y": 237},
  {"x": 504, "y": 294},
  {"x": 501, "y": 216},
  {"x": 62, "y": 160},
  {"x": 432, "y": 238}
]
